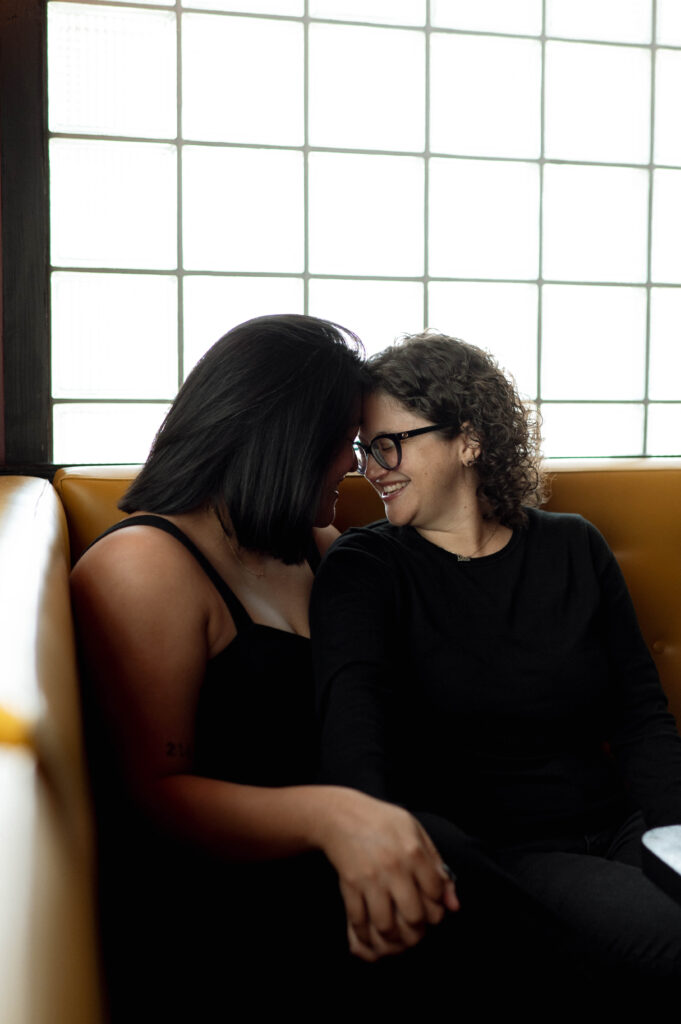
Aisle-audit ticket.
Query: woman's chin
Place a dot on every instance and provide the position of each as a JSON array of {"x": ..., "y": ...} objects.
[{"x": 326, "y": 513}]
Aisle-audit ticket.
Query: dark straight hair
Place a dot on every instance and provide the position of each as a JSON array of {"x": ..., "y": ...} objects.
[{"x": 253, "y": 428}]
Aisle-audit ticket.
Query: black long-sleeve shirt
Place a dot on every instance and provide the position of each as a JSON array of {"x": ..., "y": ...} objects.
[{"x": 512, "y": 694}]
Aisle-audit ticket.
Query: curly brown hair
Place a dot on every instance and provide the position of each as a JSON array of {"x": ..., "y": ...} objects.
[{"x": 449, "y": 381}]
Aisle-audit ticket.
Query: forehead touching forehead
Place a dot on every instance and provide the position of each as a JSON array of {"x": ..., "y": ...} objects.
[
  {"x": 383, "y": 414},
  {"x": 356, "y": 416}
]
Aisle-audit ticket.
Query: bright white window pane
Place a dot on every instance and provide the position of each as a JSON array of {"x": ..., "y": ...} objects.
[
  {"x": 378, "y": 311},
  {"x": 111, "y": 71},
  {"x": 623, "y": 21},
  {"x": 101, "y": 433},
  {"x": 113, "y": 204},
  {"x": 666, "y": 255},
  {"x": 485, "y": 95},
  {"x": 593, "y": 342},
  {"x": 114, "y": 336},
  {"x": 290, "y": 7},
  {"x": 366, "y": 214},
  {"x": 664, "y": 379},
  {"x": 213, "y": 305},
  {"x": 667, "y": 92},
  {"x": 591, "y": 430},
  {"x": 484, "y": 219},
  {"x": 664, "y": 429},
  {"x": 242, "y": 79},
  {"x": 668, "y": 22},
  {"x": 380, "y": 105},
  {"x": 242, "y": 209},
  {"x": 522, "y": 17},
  {"x": 595, "y": 223},
  {"x": 597, "y": 103},
  {"x": 154, "y": 3},
  {"x": 501, "y": 318},
  {"x": 390, "y": 12}
]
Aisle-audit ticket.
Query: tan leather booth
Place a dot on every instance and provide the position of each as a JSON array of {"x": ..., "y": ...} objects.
[
  {"x": 48, "y": 939},
  {"x": 636, "y": 503},
  {"x": 49, "y": 964}
]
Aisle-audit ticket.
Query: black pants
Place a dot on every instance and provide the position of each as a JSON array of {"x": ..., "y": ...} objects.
[
  {"x": 573, "y": 914},
  {"x": 594, "y": 886},
  {"x": 541, "y": 925}
]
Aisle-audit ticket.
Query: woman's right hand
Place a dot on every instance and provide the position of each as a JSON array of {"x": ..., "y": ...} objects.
[{"x": 392, "y": 879}]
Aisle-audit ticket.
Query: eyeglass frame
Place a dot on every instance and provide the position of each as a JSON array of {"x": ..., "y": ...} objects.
[{"x": 368, "y": 449}]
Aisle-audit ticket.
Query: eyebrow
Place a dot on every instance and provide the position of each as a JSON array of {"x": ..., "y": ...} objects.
[{"x": 380, "y": 433}]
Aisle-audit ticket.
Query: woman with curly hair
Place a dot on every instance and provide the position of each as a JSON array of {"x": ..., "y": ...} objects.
[{"x": 479, "y": 662}]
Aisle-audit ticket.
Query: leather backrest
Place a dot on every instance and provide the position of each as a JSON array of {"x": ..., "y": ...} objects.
[
  {"x": 48, "y": 968},
  {"x": 90, "y": 495},
  {"x": 635, "y": 503}
]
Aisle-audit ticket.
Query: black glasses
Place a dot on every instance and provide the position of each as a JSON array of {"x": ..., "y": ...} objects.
[{"x": 386, "y": 448}]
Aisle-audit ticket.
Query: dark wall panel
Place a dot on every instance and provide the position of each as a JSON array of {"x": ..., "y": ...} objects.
[{"x": 25, "y": 232}]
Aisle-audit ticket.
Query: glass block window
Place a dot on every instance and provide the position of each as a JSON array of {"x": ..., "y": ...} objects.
[{"x": 507, "y": 171}]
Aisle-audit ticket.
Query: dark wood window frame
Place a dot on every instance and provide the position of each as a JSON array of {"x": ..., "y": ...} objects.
[{"x": 25, "y": 403}]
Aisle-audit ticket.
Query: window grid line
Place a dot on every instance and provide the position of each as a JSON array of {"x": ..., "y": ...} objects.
[
  {"x": 314, "y": 275},
  {"x": 355, "y": 22},
  {"x": 540, "y": 289},
  {"x": 357, "y": 151},
  {"x": 426, "y": 154},
  {"x": 65, "y": 400},
  {"x": 180, "y": 225},
  {"x": 113, "y": 401},
  {"x": 426, "y": 174},
  {"x": 306, "y": 161},
  {"x": 649, "y": 240}
]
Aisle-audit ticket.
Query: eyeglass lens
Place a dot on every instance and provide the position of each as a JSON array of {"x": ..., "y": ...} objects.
[
  {"x": 383, "y": 449},
  {"x": 385, "y": 452}
]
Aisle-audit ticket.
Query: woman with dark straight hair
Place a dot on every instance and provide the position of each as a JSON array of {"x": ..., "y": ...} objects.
[
  {"x": 216, "y": 851},
  {"x": 254, "y": 429}
]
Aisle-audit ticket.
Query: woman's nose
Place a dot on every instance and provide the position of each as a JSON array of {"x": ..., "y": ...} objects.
[{"x": 373, "y": 470}]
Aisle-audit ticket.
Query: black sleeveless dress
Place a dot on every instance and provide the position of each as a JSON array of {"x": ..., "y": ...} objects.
[
  {"x": 179, "y": 925},
  {"x": 255, "y": 720}
]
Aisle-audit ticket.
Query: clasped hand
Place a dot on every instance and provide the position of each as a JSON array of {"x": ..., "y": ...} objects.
[{"x": 392, "y": 879}]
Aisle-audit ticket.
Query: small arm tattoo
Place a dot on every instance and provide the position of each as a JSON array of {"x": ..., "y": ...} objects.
[{"x": 178, "y": 749}]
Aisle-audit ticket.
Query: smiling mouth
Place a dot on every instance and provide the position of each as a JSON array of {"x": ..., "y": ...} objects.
[{"x": 390, "y": 491}]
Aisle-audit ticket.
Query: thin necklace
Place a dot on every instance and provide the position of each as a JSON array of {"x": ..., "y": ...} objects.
[
  {"x": 252, "y": 572},
  {"x": 467, "y": 558}
]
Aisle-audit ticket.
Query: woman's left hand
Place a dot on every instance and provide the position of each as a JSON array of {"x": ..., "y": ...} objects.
[{"x": 392, "y": 879}]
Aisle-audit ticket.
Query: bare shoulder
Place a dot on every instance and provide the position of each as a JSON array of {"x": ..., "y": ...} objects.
[
  {"x": 142, "y": 617},
  {"x": 139, "y": 559},
  {"x": 137, "y": 584},
  {"x": 324, "y": 537}
]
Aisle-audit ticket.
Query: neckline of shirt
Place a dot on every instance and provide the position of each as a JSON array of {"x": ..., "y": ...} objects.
[{"x": 453, "y": 556}]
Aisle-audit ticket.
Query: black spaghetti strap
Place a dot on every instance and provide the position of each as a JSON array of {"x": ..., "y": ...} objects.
[{"x": 242, "y": 619}]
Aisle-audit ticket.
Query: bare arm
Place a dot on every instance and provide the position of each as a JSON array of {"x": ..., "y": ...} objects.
[{"x": 148, "y": 624}]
